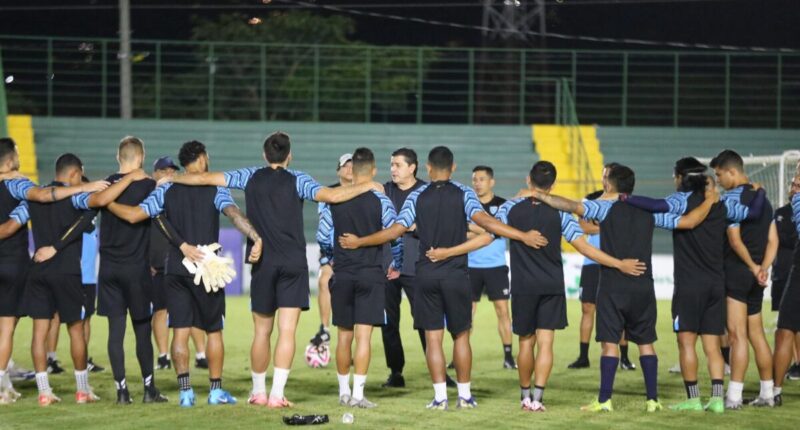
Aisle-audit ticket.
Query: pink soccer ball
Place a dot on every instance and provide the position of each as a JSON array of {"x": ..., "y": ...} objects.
[{"x": 318, "y": 356}]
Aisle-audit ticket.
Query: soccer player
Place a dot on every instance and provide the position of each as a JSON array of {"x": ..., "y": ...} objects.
[
  {"x": 441, "y": 210},
  {"x": 788, "y": 316},
  {"x": 787, "y": 236},
  {"x": 626, "y": 303},
  {"x": 274, "y": 196},
  {"x": 192, "y": 219},
  {"x": 344, "y": 170},
  {"x": 487, "y": 266},
  {"x": 54, "y": 282},
  {"x": 751, "y": 248},
  {"x": 538, "y": 305},
  {"x": 357, "y": 293}
]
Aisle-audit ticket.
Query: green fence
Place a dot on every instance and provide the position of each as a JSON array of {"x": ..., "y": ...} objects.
[{"x": 237, "y": 81}]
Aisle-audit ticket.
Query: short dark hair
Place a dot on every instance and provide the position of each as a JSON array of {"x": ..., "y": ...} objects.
[
  {"x": 190, "y": 152},
  {"x": 594, "y": 195},
  {"x": 410, "y": 155},
  {"x": 543, "y": 174},
  {"x": 441, "y": 158},
  {"x": 66, "y": 161},
  {"x": 622, "y": 178},
  {"x": 728, "y": 159},
  {"x": 611, "y": 165},
  {"x": 489, "y": 171},
  {"x": 7, "y": 146},
  {"x": 277, "y": 147},
  {"x": 363, "y": 160},
  {"x": 692, "y": 173}
]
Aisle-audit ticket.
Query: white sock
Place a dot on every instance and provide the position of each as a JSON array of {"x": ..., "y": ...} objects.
[
  {"x": 43, "y": 383},
  {"x": 766, "y": 389},
  {"x": 10, "y": 364},
  {"x": 52, "y": 356},
  {"x": 344, "y": 384},
  {"x": 464, "y": 390},
  {"x": 259, "y": 382},
  {"x": 200, "y": 355},
  {"x": 735, "y": 390},
  {"x": 82, "y": 380},
  {"x": 776, "y": 391},
  {"x": 5, "y": 381},
  {"x": 359, "y": 381},
  {"x": 162, "y": 355},
  {"x": 440, "y": 391},
  {"x": 279, "y": 378}
]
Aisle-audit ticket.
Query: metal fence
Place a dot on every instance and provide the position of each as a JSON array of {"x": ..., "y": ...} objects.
[{"x": 362, "y": 83}]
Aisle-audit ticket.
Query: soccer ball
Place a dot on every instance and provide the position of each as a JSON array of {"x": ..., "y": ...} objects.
[{"x": 318, "y": 356}]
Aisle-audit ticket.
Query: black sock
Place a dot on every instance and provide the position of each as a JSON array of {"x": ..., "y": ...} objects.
[
  {"x": 216, "y": 383},
  {"x": 143, "y": 331},
  {"x": 116, "y": 352},
  {"x": 726, "y": 354},
  {"x": 650, "y": 370},
  {"x": 623, "y": 352},
  {"x": 608, "y": 371},
  {"x": 507, "y": 352},
  {"x": 692, "y": 392},
  {"x": 717, "y": 387},
  {"x": 183, "y": 382},
  {"x": 584, "y": 351}
]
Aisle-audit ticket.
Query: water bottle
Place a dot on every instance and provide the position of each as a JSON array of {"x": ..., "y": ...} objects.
[{"x": 347, "y": 418}]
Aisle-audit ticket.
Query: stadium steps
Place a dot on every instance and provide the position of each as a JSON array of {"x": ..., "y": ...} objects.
[
  {"x": 552, "y": 144},
  {"x": 21, "y": 130}
]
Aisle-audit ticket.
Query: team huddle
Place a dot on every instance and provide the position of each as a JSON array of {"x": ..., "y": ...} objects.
[{"x": 441, "y": 243}]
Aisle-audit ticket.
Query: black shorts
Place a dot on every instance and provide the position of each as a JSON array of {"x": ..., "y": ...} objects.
[
  {"x": 189, "y": 305},
  {"x": 90, "y": 298},
  {"x": 590, "y": 279},
  {"x": 699, "y": 308},
  {"x": 159, "y": 292},
  {"x": 48, "y": 293},
  {"x": 274, "y": 287},
  {"x": 12, "y": 286},
  {"x": 125, "y": 288},
  {"x": 778, "y": 285},
  {"x": 631, "y": 311},
  {"x": 443, "y": 303},
  {"x": 742, "y": 286},
  {"x": 532, "y": 312},
  {"x": 358, "y": 302},
  {"x": 493, "y": 280},
  {"x": 789, "y": 313}
]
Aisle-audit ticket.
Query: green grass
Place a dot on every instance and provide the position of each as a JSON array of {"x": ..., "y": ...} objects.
[{"x": 315, "y": 391}]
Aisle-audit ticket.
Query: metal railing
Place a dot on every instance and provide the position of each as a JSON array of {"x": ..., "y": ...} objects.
[{"x": 363, "y": 83}]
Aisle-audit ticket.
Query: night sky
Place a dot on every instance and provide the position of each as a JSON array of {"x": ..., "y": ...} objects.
[{"x": 767, "y": 23}]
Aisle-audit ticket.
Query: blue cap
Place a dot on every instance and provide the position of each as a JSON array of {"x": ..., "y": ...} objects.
[{"x": 165, "y": 163}]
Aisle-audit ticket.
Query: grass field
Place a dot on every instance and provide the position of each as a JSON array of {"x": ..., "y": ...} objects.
[{"x": 315, "y": 391}]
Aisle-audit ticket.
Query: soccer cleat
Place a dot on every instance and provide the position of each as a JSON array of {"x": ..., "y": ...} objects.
[
  {"x": 395, "y": 380},
  {"x": 761, "y": 402},
  {"x": 625, "y": 364},
  {"x": 716, "y": 405},
  {"x": 83, "y": 397},
  {"x": 164, "y": 363},
  {"x": 778, "y": 400},
  {"x": 362, "y": 404},
  {"x": 466, "y": 403},
  {"x": 449, "y": 381},
  {"x": 54, "y": 367},
  {"x": 124, "y": 397},
  {"x": 509, "y": 364},
  {"x": 525, "y": 404},
  {"x": 437, "y": 406},
  {"x": 47, "y": 399},
  {"x": 187, "y": 399},
  {"x": 596, "y": 406},
  {"x": 278, "y": 402},
  {"x": 580, "y": 363},
  {"x": 675, "y": 369},
  {"x": 152, "y": 395},
  {"x": 451, "y": 365},
  {"x": 94, "y": 368},
  {"x": 733, "y": 404},
  {"x": 537, "y": 406},
  {"x": 8, "y": 397},
  {"x": 218, "y": 396},
  {"x": 344, "y": 400},
  {"x": 653, "y": 406},
  {"x": 688, "y": 405},
  {"x": 17, "y": 373},
  {"x": 794, "y": 372},
  {"x": 258, "y": 399},
  {"x": 201, "y": 363}
]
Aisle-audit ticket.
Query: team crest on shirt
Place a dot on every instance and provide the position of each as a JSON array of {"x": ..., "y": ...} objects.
[
  {"x": 779, "y": 218},
  {"x": 493, "y": 209}
]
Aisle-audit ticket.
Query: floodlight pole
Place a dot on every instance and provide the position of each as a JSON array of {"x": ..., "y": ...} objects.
[{"x": 124, "y": 56}]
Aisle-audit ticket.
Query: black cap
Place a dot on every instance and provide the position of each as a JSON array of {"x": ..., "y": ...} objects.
[{"x": 165, "y": 163}]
